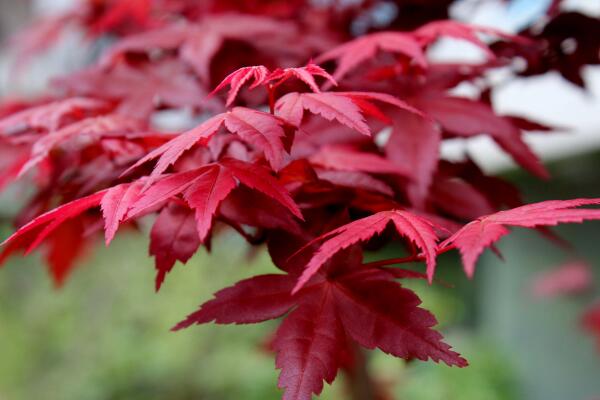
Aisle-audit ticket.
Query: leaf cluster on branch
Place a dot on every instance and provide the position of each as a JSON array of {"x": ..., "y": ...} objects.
[{"x": 324, "y": 145}]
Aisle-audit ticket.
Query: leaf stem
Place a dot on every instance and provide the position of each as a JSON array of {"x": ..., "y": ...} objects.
[
  {"x": 404, "y": 260},
  {"x": 271, "y": 90}
]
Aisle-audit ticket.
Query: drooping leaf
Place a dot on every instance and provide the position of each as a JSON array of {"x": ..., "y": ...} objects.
[
  {"x": 63, "y": 232},
  {"x": 115, "y": 204},
  {"x": 258, "y": 178},
  {"x": 262, "y": 130},
  {"x": 392, "y": 321},
  {"x": 206, "y": 193},
  {"x": 173, "y": 238},
  {"x": 164, "y": 188}
]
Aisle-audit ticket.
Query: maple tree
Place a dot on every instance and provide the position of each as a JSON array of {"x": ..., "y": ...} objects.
[{"x": 325, "y": 142}]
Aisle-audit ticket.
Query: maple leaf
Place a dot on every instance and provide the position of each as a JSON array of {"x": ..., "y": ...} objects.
[
  {"x": 239, "y": 77},
  {"x": 259, "y": 178},
  {"x": 261, "y": 76},
  {"x": 115, "y": 204},
  {"x": 63, "y": 231},
  {"x": 415, "y": 228},
  {"x": 474, "y": 237},
  {"x": 206, "y": 187},
  {"x": 173, "y": 238},
  {"x": 312, "y": 337},
  {"x": 329, "y": 105},
  {"x": 154, "y": 195},
  {"x": 173, "y": 149},
  {"x": 347, "y": 108},
  {"x": 262, "y": 130},
  {"x": 206, "y": 193},
  {"x": 34, "y": 232},
  {"x": 351, "y": 54},
  {"x": 306, "y": 74}
]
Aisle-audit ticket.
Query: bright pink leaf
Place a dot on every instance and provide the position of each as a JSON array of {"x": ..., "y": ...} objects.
[
  {"x": 262, "y": 130},
  {"x": 115, "y": 205},
  {"x": 258, "y": 74},
  {"x": 306, "y": 74}
]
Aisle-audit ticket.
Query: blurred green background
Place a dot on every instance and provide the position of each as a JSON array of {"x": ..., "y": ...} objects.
[{"x": 105, "y": 335}]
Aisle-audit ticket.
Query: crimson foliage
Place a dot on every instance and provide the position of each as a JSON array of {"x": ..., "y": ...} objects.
[{"x": 315, "y": 166}]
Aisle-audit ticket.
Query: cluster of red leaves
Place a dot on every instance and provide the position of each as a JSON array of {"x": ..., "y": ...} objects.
[{"x": 315, "y": 166}]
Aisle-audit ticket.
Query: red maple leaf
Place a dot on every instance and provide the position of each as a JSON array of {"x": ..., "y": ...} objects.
[
  {"x": 474, "y": 237},
  {"x": 173, "y": 238},
  {"x": 262, "y": 130},
  {"x": 347, "y": 108},
  {"x": 416, "y": 229},
  {"x": 333, "y": 306}
]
